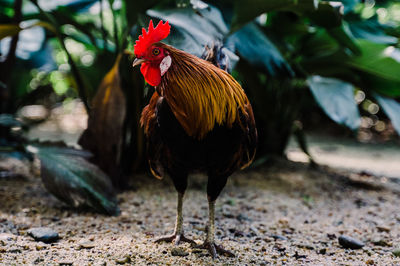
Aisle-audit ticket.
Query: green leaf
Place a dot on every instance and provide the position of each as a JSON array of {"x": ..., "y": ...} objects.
[
  {"x": 7, "y": 120},
  {"x": 82, "y": 85},
  {"x": 392, "y": 109},
  {"x": 66, "y": 17},
  {"x": 245, "y": 12},
  {"x": 72, "y": 179},
  {"x": 256, "y": 48},
  {"x": 349, "y": 5},
  {"x": 369, "y": 29},
  {"x": 134, "y": 8},
  {"x": 344, "y": 37},
  {"x": 378, "y": 68},
  {"x": 192, "y": 29},
  {"x": 336, "y": 98},
  {"x": 328, "y": 14},
  {"x": 80, "y": 5}
]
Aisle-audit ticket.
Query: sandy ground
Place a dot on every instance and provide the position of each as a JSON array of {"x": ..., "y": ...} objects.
[
  {"x": 377, "y": 158},
  {"x": 287, "y": 215}
]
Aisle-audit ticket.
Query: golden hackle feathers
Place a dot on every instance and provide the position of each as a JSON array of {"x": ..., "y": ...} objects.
[{"x": 200, "y": 94}]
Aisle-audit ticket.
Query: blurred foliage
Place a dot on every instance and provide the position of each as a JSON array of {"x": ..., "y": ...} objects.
[
  {"x": 71, "y": 178},
  {"x": 280, "y": 51}
]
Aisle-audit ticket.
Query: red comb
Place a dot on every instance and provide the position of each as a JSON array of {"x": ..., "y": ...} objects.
[{"x": 153, "y": 35}]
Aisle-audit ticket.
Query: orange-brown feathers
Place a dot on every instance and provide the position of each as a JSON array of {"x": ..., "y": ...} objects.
[{"x": 200, "y": 94}]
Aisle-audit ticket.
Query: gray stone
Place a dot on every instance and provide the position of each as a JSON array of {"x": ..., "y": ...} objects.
[
  {"x": 125, "y": 260},
  {"x": 349, "y": 242},
  {"x": 179, "y": 252},
  {"x": 86, "y": 245},
  {"x": 65, "y": 263},
  {"x": 44, "y": 234},
  {"x": 396, "y": 252}
]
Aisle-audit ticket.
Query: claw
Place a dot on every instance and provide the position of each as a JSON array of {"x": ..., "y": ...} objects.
[
  {"x": 215, "y": 249},
  {"x": 176, "y": 238}
]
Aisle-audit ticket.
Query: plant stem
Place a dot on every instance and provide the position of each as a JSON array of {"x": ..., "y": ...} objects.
[
  {"x": 116, "y": 37},
  {"x": 103, "y": 30},
  {"x": 6, "y": 67},
  {"x": 74, "y": 69}
]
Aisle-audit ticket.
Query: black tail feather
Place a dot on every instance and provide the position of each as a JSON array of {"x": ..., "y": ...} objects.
[{"x": 215, "y": 54}]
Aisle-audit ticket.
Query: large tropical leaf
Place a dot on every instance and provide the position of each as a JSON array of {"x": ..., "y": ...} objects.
[
  {"x": 72, "y": 179},
  {"x": 133, "y": 9},
  {"x": 81, "y": 5},
  {"x": 344, "y": 37},
  {"x": 392, "y": 109},
  {"x": 369, "y": 29},
  {"x": 327, "y": 14},
  {"x": 104, "y": 135},
  {"x": 7, "y": 120},
  {"x": 349, "y": 5},
  {"x": 193, "y": 29},
  {"x": 336, "y": 98},
  {"x": 378, "y": 67},
  {"x": 254, "y": 47},
  {"x": 245, "y": 12}
]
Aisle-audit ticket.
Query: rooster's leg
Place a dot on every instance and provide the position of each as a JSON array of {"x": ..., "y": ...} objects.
[
  {"x": 209, "y": 243},
  {"x": 178, "y": 235}
]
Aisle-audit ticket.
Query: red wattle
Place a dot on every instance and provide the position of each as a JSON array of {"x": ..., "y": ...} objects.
[{"x": 151, "y": 74}]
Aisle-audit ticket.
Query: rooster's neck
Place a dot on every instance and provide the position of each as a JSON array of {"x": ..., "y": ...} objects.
[{"x": 200, "y": 94}]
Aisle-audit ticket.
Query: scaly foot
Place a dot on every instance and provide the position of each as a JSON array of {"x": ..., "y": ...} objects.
[
  {"x": 215, "y": 249},
  {"x": 176, "y": 239}
]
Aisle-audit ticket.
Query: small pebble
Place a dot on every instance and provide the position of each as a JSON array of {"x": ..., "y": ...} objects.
[
  {"x": 383, "y": 229},
  {"x": 396, "y": 252},
  {"x": 297, "y": 256},
  {"x": 349, "y": 242},
  {"x": 124, "y": 260},
  {"x": 179, "y": 252},
  {"x": 38, "y": 260},
  {"x": 44, "y": 234},
  {"x": 331, "y": 236},
  {"x": 197, "y": 250},
  {"x": 86, "y": 245},
  {"x": 15, "y": 250},
  {"x": 65, "y": 263},
  {"x": 278, "y": 237},
  {"x": 242, "y": 217},
  {"x": 40, "y": 247},
  {"x": 370, "y": 262},
  {"x": 255, "y": 231},
  {"x": 382, "y": 243},
  {"x": 239, "y": 234},
  {"x": 322, "y": 251}
]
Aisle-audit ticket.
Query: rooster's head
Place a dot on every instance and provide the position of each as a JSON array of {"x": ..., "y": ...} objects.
[{"x": 154, "y": 59}]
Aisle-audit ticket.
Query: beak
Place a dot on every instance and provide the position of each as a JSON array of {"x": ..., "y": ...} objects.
[{"x": 137, "y": 61}]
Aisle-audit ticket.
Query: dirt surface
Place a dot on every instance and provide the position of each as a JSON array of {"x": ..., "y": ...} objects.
[
  {"x": 346, "y": 153},
  {"x": 289, "y": 214}
]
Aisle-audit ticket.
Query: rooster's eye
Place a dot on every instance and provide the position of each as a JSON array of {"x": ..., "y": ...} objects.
[{"x": 156, "y": 51}]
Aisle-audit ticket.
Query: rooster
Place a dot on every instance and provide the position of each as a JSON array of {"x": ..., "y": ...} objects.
[{"x": 198, "y": 120}]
